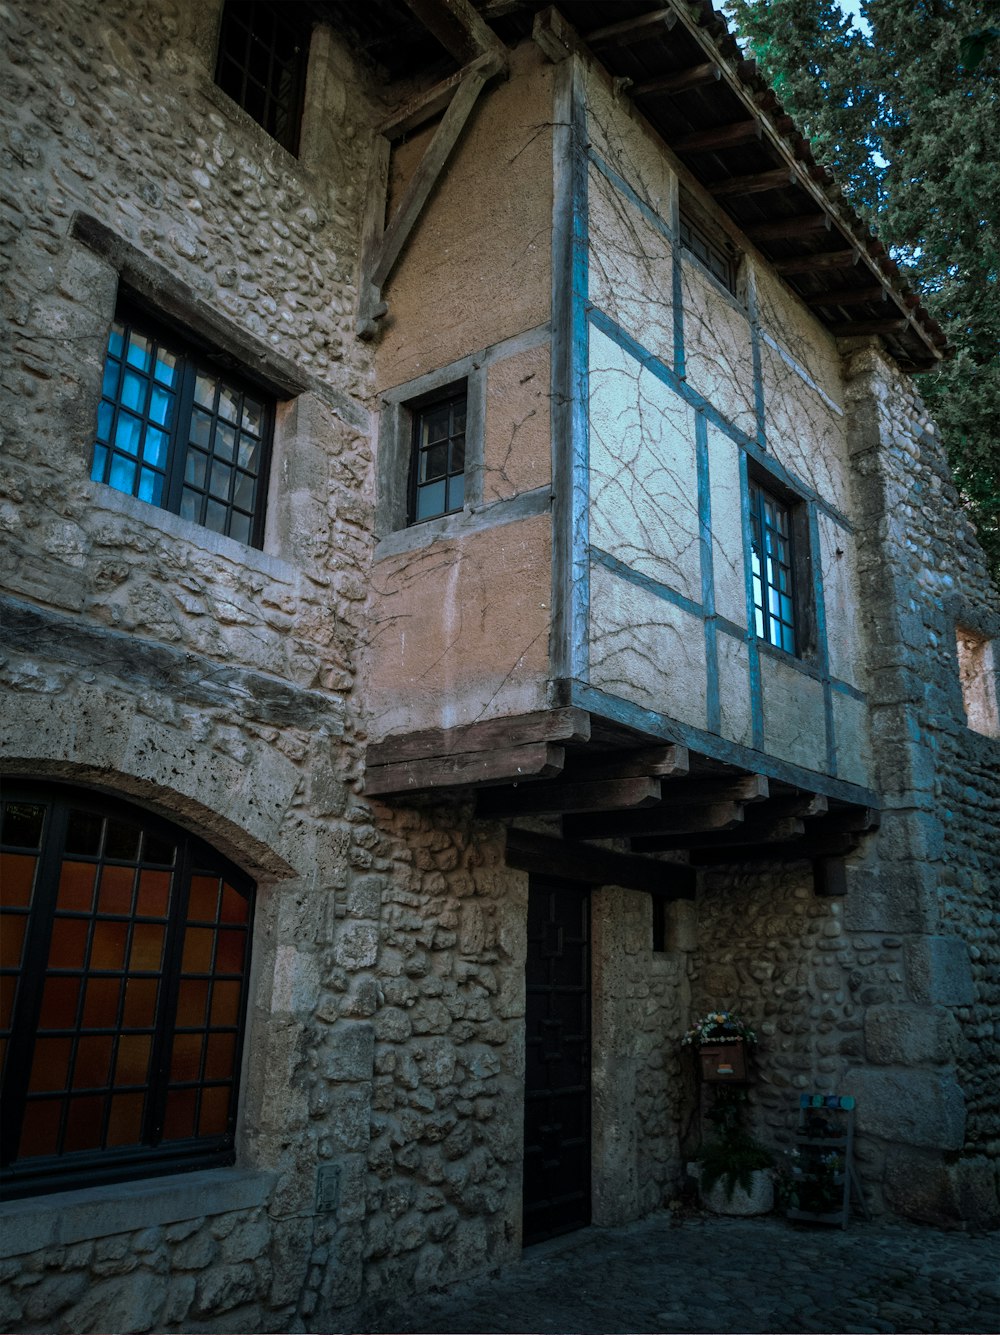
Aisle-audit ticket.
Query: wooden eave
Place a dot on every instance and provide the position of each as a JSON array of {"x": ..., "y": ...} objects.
[{"x": 600, "y": 781}]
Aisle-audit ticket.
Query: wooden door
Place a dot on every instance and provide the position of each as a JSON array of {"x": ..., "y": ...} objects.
[{"x": 557, "y": 1060}]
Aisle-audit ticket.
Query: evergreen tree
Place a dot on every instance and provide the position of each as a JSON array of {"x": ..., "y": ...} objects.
[{"x": 908, "y": 116}]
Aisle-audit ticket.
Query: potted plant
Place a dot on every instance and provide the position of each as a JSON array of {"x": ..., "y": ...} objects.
[
  {"x": 722, "y": 1040},
  {"x": 733, "y": 1166}
]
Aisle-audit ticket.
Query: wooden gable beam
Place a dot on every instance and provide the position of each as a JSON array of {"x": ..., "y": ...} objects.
[{"x": 598, "y": 866}]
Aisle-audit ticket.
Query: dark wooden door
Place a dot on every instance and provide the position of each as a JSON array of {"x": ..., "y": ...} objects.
[{"x": 557, "y": 1061}]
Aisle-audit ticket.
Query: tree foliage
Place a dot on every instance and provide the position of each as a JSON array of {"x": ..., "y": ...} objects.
[{"x": 909, "y": 118}]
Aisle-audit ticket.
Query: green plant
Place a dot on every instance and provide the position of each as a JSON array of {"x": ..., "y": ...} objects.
[
  {"x": 733, "y": 1159},
  {"x": 719, "y": 1026}
]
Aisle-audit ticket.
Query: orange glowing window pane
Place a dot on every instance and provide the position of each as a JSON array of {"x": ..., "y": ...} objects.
[
  {"x": 214, "y": 1117},
  {"x": 59, "y": 1002},
  {"x": 17, "y": 875},
  {"x": 140, "y": 1003},
  {"x": 191, "y": 1004},
  {"x": 220, "y": 1056},
  {"x": 116, "y": 890},
  {"x": 178, "y": 1121},
  {"x": 185, "y": 1060},
  {"x": 132, "y": 1065},
  {"x": 147, "y": 947},
  {"x": 235, "y": 907},
  {"x": 83, "y": 1125},
  {"x": 108, "y": 949},
  {"x": 154, "y": 894},
  {"x": 40, "y": 1131},
  {"x": 229, "y": 952},
  {"x": 197, "y": 950},
  {"x": 76, "y": 887},
  {"x": 12, "y": 927},
  {"x": 50, "y": 1066},
  {"x": 125, "y": 1124},
  {"x": 69, "y": 943},
  {"x": 204, "y": 898},
  {"x": 100, "y": 1004},
  {"x": 92, "y": 1068},
  {"x": 225, "y": 1004}
]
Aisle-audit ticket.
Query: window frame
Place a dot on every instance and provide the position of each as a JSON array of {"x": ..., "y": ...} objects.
[
  {"x": 720, "y": 253},
  {"x": 194, "y": 358},
  {"x": 418, "y": 409},
  {"x": 301, "y": 19},
  {"x": 763, "y": 484},
  {"x": 42, "y": 1174}
]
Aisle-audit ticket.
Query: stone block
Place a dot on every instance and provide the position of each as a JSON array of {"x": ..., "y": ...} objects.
[
  {"x": 130, "y": 1302},
  {"x": 939, "y": 971},
  {"x": 910, "y": 1035},
  {"x": 923, "y": 1186},
  {"x": 350, "y": 1051},
  {"x": 916, "y": 1108},
  {"x": 899, "y": 897},
  {"x": 357, "y": 945},
  {"x": 222, "y": 1288}
]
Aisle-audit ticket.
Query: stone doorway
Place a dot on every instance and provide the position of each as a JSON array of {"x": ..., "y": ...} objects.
[{"x": 557, "y": 1133}]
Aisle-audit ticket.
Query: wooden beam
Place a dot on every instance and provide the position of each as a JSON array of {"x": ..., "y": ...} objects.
[
  {"x": 425, "y": 106},
  {"x": 655, "y": 762},
  {"x": 425, "y": 177},
  {"x": 804, "y": 850},
  {"x": 547, "y": 725},
  {"x": 458, "y": 28},
  {"x": 747, "y": 835},
  {"x": 631, "y": 30},
  {"x": 828, "y": 259},
  {"x": 556, "y": 798},
  {"x": 857, "y": 820},
  {"x": 654, "y": 820},
  {"x": 847, "y": 296},
  {"x": 719, "y": 136},
  {"x": 782, "y": 229},
  {"x": 371, "y": 307},
  {"x": 555, "y": 36},
  {"x": 745, "y": 788},
  {"x": 754, "y": 184},
  {"x": 540, "y": 760},
  {"x": 857, "y": 328},
  {"x": 598, "y": 866},
  {"x": 805, "y": 805},
  {"x": 695, "y": 76}
]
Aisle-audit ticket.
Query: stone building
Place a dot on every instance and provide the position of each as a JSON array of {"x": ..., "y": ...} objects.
[{"x": 480, "y": 588}]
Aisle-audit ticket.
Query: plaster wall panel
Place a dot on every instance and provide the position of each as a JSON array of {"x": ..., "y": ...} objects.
[
  {"x": 794, "y": 720},
  {"x": 850, "y": 723},
  {"x": 784, "y": 317},
  {"x": 619, "y": 135},
  {"x": 840, "y": 597},
  {"x": 728, "y": 557},
  {"x": 735, "y": 717},
  {"x": 804, "y": 432},
  {"x": 476, "y": 268},
  {"x": 516, "y": 450},
  {"x": 631, "y": 268},
  {"x": 645, "y": 649},
  {"x": 643, "y": 476},
  {"x": 462, "y": 629},
  {"x": 717, "y": 350}
]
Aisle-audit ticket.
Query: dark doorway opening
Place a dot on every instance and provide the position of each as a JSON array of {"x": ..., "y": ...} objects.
[{"x": 557, "y": 1150}]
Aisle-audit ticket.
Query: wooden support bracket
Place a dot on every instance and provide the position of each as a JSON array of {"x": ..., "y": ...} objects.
[
  {"x": 555, "y": 798},
  {"x": 556, "y": 38},
  {"x": 654, "y": 820},
  {"x": 547, "y": 725},
  {"x": 598, "y": 866},
  {"x": 541, "y": 760},
  {"x": 654, "y": 762}
]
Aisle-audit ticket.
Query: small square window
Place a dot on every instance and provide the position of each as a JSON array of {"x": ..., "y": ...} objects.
[
  {"x": 713, "y": 254},
  {"x": 437, "y": 463},
  {"x": 173, "y": 431},
  {"x": 772, "y": 561},
  {"x": 263, "y": 50}
]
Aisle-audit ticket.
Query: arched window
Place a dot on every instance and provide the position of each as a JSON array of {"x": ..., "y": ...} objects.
[{"x": 124, "y": 957}]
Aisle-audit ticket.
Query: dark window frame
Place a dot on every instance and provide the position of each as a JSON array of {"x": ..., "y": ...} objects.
[
  {"x": 796, "y": 631},
  {"x": 420, "y": 410},
  {"x": 155, "y": 1155},
  {"x": 195, "y": 363},
  {"x": 714, "y": 255},
  {"x": 251, "y": 69}
]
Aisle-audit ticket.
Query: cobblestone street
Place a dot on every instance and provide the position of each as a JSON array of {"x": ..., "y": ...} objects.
[{"x": 701, "y": 1274}]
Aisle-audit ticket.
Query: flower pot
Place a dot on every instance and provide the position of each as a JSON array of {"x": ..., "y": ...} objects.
[
  {"x": 723, "y": 1061},
  {"x": 758, "y": 1200}
]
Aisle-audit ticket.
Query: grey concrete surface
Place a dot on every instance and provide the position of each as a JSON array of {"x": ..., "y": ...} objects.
[{"x": 696, "y": 1273}]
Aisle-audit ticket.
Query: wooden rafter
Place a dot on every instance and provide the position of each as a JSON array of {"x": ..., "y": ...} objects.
[
  {"x": 654, "y": 819},
  {"x": 781, "y": 229},
  {"x": 655, "y": 762},
  {"x": 847, "y": 296},
  {"x": 598, "y": 866},
  {"x": 746, "y": 835},
  {"x": 555, "y": 798},
  {"x": 753, "y": 184},
  {"x": 719, "y": 136},
  {"x": 818, "y": 263},
  {"x": 806, "y": 849},
  {"x": 633, "y": 29},
  {"x": 696, "y": 76}
]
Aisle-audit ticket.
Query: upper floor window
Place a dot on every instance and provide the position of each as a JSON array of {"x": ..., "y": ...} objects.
[
  {"x": 125, "y": 955},
  {"x": 977, "y": 669},
  {"x": 712, "y": 253},
  {"x": 437, "y": 466},
  {"x": 772, "y": 560},
  {"x": 263, "y": 50},
  {"x": 175, "y": 432}
]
